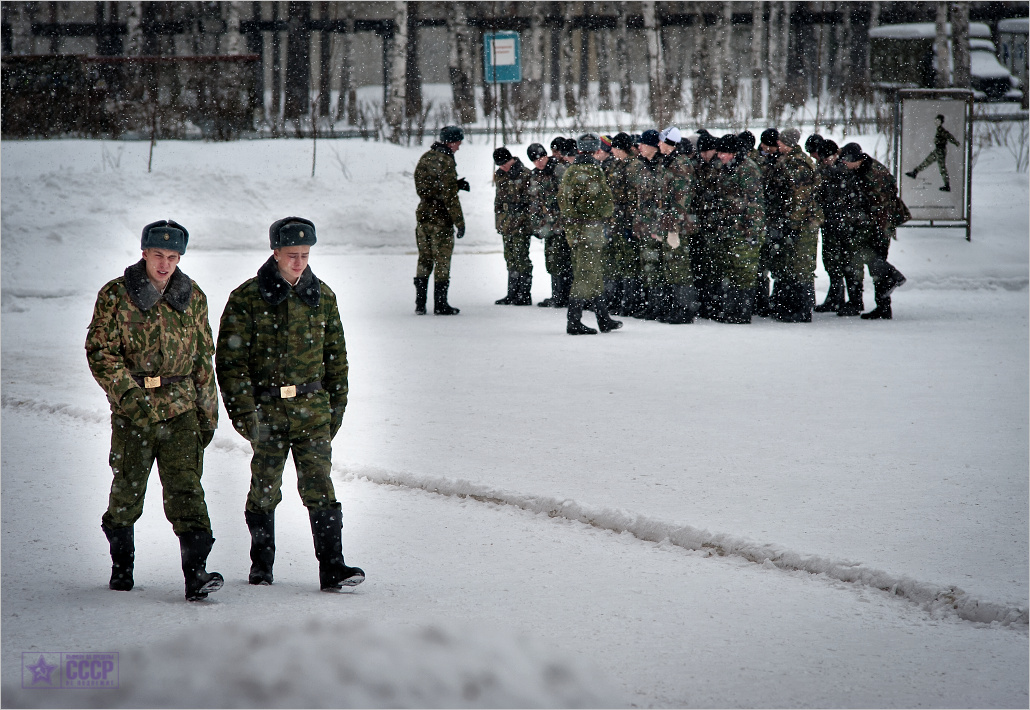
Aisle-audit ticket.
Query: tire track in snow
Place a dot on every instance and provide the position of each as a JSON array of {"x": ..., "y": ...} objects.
[{"x": 931, "y": 598}]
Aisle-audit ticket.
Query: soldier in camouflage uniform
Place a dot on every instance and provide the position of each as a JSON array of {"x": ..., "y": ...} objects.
[
  {"x": 833, "y": 197},
  {"x": 282, "y": 368},
  {"x": 766, "y": 157},
  {"x": 880, "y": 194},
  {"x": 545, "y": 218},
  {"x": 586, "y": 206},
  {"x": 679, "y": 222},
  {"x": 645, "y": 192},
  {"x": 511, "y": 218},
  {"x": 740, "y": 234},
  {"x": 707, "y": 173},
  {"x": 439, "y": 220},
  {"x": 795, "y": 236},
  {"x": 624, "y": 254},
  {"x": 938, "y": 155},
  {"x": 149, "y": 347}
]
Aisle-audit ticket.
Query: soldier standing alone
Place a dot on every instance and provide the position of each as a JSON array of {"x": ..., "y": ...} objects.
[
  {"x": 440, "y": 219},
  {"x": 149, "y": 346},
  {"x": 282, "y": 368}
]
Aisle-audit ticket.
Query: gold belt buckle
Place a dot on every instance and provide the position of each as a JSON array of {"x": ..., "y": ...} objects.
[
  {"x": 288, "y": 391},
  {"x": 151, "y": 382}
]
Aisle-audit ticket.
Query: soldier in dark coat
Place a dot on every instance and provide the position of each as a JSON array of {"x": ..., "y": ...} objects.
[
  {"x": 149, "y": 347},
  {"x": 880, "y": 192},
  {"x": 645, "y": 193},
  {"x": 623, "y": 248},
  {"x": 511, "y": 219},
  {"x": 846, "y": 213},
  {"x": 707, "y": 170},
  {"x": 679, "y": 222},
  {"x": 439, "y": 219},
  {"x": 766, "y": 157},
  {"x": 282, "y": 368},
  {"x": 545, "y": 219}
]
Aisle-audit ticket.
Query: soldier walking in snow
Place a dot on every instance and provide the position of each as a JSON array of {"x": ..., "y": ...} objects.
[
  {"x": 938, "y": 155},
  {"x": 282, "y": 368},
  {"x": 440, "y": 219},
  {"x": 586, "y": 206},
  {"x": 511, "y": 219},
  {"x": 149, "y": 347}
]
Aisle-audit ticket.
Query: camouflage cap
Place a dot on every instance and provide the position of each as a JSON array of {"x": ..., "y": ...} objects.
[
  {"x": 165, "y": 234},
  {"x": 291, "y": 232}
]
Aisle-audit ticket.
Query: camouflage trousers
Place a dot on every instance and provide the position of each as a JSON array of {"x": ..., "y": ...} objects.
[
  {"x": 557, "y": 255},
  {"x": 312, "y": 456},
  {"x": 516, "y": 253},
  {"x": 435, "y": 247},
  {"x": 737, "y": 258},
  {"x": 587, "y": 243},
  {"x": 836, "y": 250},
  {"x": 939, "y": 157},
  {"x": 796, "y": 263},
  {"x": 651, "y": 271},
  {"x": 175, "y": 445},
  {"x": 702, "y": 259},
  {"x": 622, "y": 256},
  {"x": 676, "y": 264}
]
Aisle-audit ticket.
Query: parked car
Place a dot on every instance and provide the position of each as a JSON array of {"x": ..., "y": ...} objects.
[{"x": 901, "y": 56}]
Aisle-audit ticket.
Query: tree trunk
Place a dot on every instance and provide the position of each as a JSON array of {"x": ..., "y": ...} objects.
[
  {"x": 727, "y": 84},
  {"x": 396, "y": 64},
  {"x": 655, "y": 69},
  {"x": 21, "y": 28},
  {"x": 757, "y": 58},
  {"x": 584, "y": 57},
  {"x": 604, "y": 77},
  {"x": 412, "y": 73},
  {"x": 276, "y": 49},
  {"x": 569, "y": 91},
  {"x": 941, "y": 56},
  {"x": 704, "y": 91},
  {"x": 458, "y": 67},
  {"x": 622, "y": 58},
  {"x": 529, "y": 91},
  {"x": 298, "y": 56},
  {"x": 960, "y": 43},
  {"x": 777, "y": 60}
]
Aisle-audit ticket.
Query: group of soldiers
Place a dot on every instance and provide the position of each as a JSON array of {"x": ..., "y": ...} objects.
[
  {"x": 666, "y": 228},
  {"x": 280, "y": 361}
]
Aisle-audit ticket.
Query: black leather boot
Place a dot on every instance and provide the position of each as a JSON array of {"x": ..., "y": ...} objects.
[
  {"x": 684, "y": 305},
  {"x": 604, "y": 321},
  {"x": 736, "y": 306},
  {"x": 552, "y": 300},
  {"x": 123, "y": 553},
  {"x": 421, "y": 294},
  {"x": 513, "y": 280},
  {"x": 262, "y": 546},
  {"x": 523, "y": 290},
  {"x": 440, "y": 305},
  {"x": 574, "y": 319},
  {"x": 195, "y": 546},
  {"x": 327, "y": 533},
  {"x": 834, "y": 297}
]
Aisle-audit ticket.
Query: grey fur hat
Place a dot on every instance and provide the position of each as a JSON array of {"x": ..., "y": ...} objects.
[
  {"x": 165, "y": 234},
  {"x": 291, "y": 232}
]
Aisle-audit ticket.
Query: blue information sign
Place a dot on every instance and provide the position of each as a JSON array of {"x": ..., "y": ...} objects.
[{"x": 502, "y": 58}]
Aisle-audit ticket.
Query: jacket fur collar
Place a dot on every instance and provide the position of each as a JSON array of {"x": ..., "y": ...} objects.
[
  {"x": 143, "y": 294},
  {"x": 586, "y": 159},
  {"x": 274, "y": 289},
  {"x": 442, "y": 148}
]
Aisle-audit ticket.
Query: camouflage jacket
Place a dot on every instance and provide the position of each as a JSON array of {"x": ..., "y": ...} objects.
[
  {"x": 766, "y": 163},
  {"x": 615, "y": 173},
  {"x": 544, "y": 214},
  {"x": 880, "y": 191},
  {"x": 645, "y": 195},
  {"x": 139, "y": 332},
  {"x": 840, "y": 196},
  {"x": 511, "y": 200},
  {"x": 707, "y": 178},
  {"x": 739, "y": 202},
  {"x": 436, "y": 182},
  {"x": 584, "y": 195},
  {"x": 271, "y": 335},
  {"x": 678, "y": 178},
  {"x": 793, "y": 187}
]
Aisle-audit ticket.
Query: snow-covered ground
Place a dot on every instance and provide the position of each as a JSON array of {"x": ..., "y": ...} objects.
[{"x": 832, "y": 514}]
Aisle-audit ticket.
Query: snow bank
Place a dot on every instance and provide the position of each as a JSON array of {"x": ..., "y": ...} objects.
[{"x": 342, "y": 664}]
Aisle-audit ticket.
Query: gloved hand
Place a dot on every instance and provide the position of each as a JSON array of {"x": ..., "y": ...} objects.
[
  {"x": 246, "y": 424},
  {"x": 206, "y": 435},
  {"x": 463, "y": 184},
  {"x": 459, "y": 231},
  {"x": 335, "y": 422},
  {"x": 137, "y": 407}
]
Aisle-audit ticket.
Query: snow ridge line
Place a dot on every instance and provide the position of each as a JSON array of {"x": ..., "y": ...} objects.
[
  {"x": 933, "y": 599},
  {"x": 947, "y": 600}
]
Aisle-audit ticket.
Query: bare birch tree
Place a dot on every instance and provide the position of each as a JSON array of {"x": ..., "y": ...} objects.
[
  {"x": 655, "y": 68},
  {"x": 529, "y": 92},
  {"x": 397, "y": 41},
  {"x": 941, "y": 55},
  {"x": 758, "y": 60},
  {"x": 622, "y": 58},
  {"x": 568, "y": 91},
  {"x": 779, "y": 28},
  {"x": 727, "y": 74},
  {"x": 458, "y": 66},
  {"x": 604, "y": 77},
  {"x": 960, "y": 44}
]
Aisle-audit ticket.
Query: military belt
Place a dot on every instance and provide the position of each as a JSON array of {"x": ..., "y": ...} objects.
[
  {"x": 153, "y": 382},
  {"x": 289, "y": 391}
]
